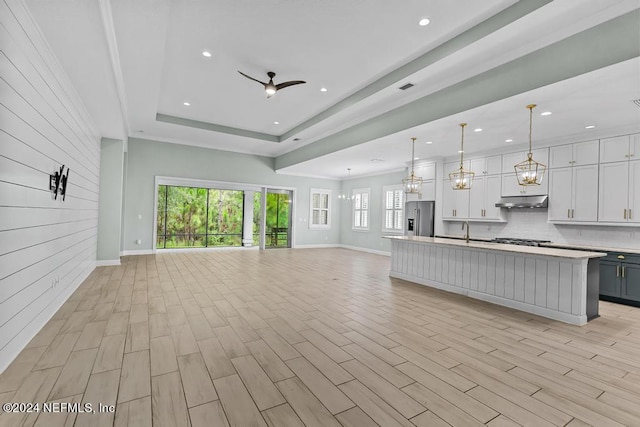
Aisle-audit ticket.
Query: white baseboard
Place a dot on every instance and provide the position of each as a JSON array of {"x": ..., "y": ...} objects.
[
  {"x": 317, "y": 246},
  {"x": 371, "y": 251},
  {"x": 139, "y": 252},
  {"x": 107, "y": 262}
]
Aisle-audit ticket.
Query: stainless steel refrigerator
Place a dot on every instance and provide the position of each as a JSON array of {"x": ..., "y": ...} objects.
[{"x": 419, "y": 218}]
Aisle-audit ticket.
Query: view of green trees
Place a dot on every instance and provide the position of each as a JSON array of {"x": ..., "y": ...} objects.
[
  {"x": 199, "y": 217},
  {"x": 190, "y": 217}
]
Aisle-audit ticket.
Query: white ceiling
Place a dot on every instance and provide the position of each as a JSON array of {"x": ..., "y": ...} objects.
[{"x": 132, "y": 59}]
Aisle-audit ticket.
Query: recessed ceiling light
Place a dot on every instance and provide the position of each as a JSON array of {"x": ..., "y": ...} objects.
[
  {"x": 478, "y": 130},
  {"x": 590, "y": 127},
  {"x": 546, "y": 113},
  {"x": 508, "y": 140},
  {"x": 206, "y": 54},
  {"x": 377, "y": 160},
  {"x": 276, "y": 123},
  {"x": 324, "y": 89},
  {"x": 185, "y": 103},
  {"x": 429, "y": 142},
  {"x": 423, "y": 22},
  {"x": 416, "y": 158}
]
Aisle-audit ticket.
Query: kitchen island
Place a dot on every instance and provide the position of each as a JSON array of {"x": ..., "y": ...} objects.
[{"x": 556, "y": 283}]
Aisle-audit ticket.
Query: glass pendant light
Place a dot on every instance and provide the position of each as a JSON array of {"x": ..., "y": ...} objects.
[
  {"x": 412, "y": 184},
  {"x": 530, "y": 172},
  {"x": 461, "y": 179},
  {"x": 343, "y": 196}
]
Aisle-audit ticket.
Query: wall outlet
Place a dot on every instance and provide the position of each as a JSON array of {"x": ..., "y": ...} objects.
[
  {"x": 138, "y": 242},
  {"x": 139, "y": 216}
]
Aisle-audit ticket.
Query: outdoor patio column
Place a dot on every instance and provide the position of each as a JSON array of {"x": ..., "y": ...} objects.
[{"x": 247, "y": 228}]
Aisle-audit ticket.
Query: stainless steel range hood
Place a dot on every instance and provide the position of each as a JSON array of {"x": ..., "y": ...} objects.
[{"x": 539, "y": 202}]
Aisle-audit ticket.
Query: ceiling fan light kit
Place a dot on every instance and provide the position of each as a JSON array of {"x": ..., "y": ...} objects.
[
  {"x": 461, "y": 178},
  {"x": 530, "y": 172},
  {"x": 270, "y": 88}
]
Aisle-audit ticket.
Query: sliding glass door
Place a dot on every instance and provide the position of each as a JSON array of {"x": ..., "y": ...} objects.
[
  {"x": 191, "y": 217},
  {"x": 278, "y": 219}
]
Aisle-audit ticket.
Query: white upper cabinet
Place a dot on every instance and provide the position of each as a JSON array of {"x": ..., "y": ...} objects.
[
  {"x": 573, "y": 195},
  {"x": 491, "y": 165},
  {"x": 455, "y": 203},
  {"x": 454, "y": 166},
  {"x": 634, "y": 191},
  {"x": 620, "y": 148},
  {"x": 583, "y": 153},
  {"x": 426, "y": 170},
  {"x": 483, "y": 196},
  {"x": 510, "y": 160},
  {"x": 560, "y": 184},
  {"x": 614, "y": 192},
  {"x": 510, "y": 186}
]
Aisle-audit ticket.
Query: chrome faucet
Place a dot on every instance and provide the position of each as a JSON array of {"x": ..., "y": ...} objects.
[{"x": 466, "y": 237}]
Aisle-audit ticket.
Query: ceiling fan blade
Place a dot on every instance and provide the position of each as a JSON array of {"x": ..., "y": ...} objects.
[
  {"x": 251, "y": 78},
  {"x": 287, "y": 84}
]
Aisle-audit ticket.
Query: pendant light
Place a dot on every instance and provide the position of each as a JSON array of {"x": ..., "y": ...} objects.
[
  {"x": 412, "y": 184},
  {"x": 530, "y": 172},
  {"x": 343, "y": 196},
  {"x": 461, "y": 179}
]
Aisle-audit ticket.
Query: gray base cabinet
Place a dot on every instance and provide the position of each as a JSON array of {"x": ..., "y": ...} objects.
[{"x": 620, "y": 277}]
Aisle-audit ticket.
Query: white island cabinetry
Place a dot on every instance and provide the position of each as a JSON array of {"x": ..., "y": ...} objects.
[{"x": 554, "y": 283}]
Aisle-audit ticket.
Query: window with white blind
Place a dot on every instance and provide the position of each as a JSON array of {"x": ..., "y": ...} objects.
[
  {"x": 320, "y": 209},
  {"x": 361, "y": 209},
  {"x": 393, "y": 205}
]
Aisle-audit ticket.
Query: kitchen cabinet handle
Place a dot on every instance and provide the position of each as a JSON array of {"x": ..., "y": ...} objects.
[
  {"x": 629, "y": 213},
  {"x": 617, "y": 271},
  {"x": 568, "y": 213},
  {"x": 572, "y": 212},
  {"x": 620, "y": 256},
  {"x": 625, "y": 214},
  {"x": 623, "y": 271}
]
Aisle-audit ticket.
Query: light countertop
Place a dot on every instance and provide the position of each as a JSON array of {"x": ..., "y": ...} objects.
[
  {"x": 590, "y": 248},
  {"x": 529, "y": 250}
]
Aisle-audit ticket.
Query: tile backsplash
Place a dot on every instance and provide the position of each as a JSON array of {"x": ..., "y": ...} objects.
[{"x": 532, "y": 224}]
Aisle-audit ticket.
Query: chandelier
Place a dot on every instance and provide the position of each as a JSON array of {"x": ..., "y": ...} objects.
[
  {"x": 461, "y": 179},
  {"x": 412, "y": 184},
  {"x": 530, "y": 172},
  {"x": 343, "y": 196}
]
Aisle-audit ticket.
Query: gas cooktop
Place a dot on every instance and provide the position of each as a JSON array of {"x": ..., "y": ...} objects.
[{"x": 521, "y": 242}]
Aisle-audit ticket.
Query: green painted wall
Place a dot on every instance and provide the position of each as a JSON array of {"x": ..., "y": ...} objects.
[
  {"x": 147, "y": 159},
  {"x": 110, "y": 208},
  {"x": 371, "y": 239}
]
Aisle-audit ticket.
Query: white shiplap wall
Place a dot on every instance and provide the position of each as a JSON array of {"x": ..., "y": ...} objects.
[{"x": 43, "y": 124}]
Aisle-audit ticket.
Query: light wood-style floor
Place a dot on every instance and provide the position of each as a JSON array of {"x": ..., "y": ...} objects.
[{"x": 316, "y": 337}]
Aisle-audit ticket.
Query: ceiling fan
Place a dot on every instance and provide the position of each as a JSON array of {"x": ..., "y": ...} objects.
[{"x": 271, "y": 88}]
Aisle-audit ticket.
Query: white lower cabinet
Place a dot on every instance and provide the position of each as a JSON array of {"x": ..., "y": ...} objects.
[
  {"x": 483, "y": 196},
  {"x": 618, "y": 183},
  {"x": 455, "y": 203},
  {"x": 573, "y": 194}
]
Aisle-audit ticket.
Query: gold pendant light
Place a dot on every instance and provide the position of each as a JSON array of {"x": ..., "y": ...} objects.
[
  {"x": 530, "y": 172},
  {"x": 412, "y": 184},
  {"x": 461, "y": 179}
]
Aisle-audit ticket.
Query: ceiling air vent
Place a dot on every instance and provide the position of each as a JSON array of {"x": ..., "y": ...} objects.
[
  {"x": 637, "y": 102},
  {"x": 405, "y": 87}
]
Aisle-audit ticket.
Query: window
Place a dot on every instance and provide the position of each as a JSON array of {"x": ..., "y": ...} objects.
[
  {"x": 320, "y": 212},
  {"x": 361, "y": 209},
  {"x": 393, "y": 197},
  {"x": 194, "y": 217}
]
